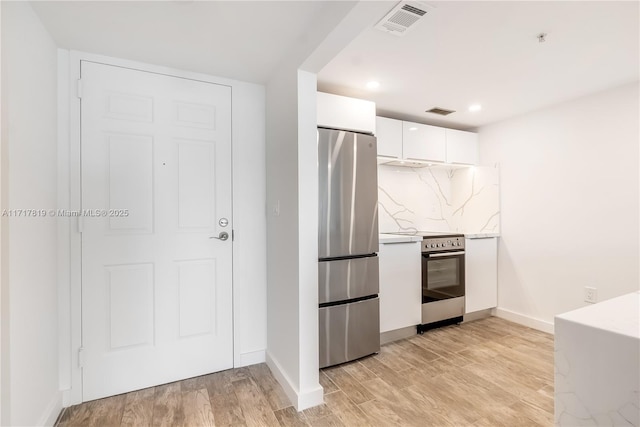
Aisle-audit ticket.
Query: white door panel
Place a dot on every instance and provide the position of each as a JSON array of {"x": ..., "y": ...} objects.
[{"x": 156, "y": 289}]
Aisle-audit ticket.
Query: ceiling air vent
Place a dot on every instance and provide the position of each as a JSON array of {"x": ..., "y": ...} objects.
[
  {"x": 440, "y": 111},
  {"x": 402, "y": 18}
]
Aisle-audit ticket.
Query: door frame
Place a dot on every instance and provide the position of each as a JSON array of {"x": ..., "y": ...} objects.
[{"x": 69, "y": 197}]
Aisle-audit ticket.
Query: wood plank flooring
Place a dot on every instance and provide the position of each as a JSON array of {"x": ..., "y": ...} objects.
[{"x": 485, "y": 373}]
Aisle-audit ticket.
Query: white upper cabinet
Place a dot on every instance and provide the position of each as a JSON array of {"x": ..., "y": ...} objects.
[
  {"x": 341, "y": 112},
  {"x": 389, "y": 135},
  {"x": 400, "y": 141},
  {"x": 423, "y": 142},
  {"x": 462, "y": 147}
]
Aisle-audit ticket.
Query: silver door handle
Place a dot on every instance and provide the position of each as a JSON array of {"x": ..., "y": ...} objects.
[{"x": 222, "y": 236}]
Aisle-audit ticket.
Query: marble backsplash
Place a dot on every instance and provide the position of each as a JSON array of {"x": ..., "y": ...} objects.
[{"x": 438, "y": 198}]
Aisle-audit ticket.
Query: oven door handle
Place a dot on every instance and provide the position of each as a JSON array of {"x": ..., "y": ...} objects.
[{"x": 445, "y": 254}]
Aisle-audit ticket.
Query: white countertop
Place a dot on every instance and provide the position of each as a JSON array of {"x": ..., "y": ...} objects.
[
  {"x": 481, "y": 235},
  {"x": 619, "y": 315},
  {"x": 398, "y": 238}
]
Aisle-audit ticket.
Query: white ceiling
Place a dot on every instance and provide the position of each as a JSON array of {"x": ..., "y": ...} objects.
[
  {"x": 460, "y": 53},
  {"x": 487, "y": 52},
  {"x": 244, "y": 40}
]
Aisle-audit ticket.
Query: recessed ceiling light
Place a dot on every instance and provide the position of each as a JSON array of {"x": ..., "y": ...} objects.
[
  {"x": 413, "y": 128},
  {"x": 373, "y": 84},
  {"x": 475, "y": 107}
]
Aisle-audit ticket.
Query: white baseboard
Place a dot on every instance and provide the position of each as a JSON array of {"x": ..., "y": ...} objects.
[
  {"x": 52, "y": 411},
  {"x": 250, "y": 358},
  {"x": 300, "y": 401},
  {"x": 521, "y": 319},
  {"x": 310, "y": 398}
]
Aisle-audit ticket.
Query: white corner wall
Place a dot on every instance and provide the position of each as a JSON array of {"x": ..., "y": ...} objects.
[
  {"x": 30, "y": 394},
  {"x": 311, "y": 391},
  {"x": 569, "y": 204},
  {"x": 283, "y": 344},
  {"x": 292, "y": 199},
  {"x": 292, "y": 236}
]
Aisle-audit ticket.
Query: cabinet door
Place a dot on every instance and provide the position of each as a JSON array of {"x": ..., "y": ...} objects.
[
  {"x": 389, "y": 135},
  {"x": 400, "y": 285},
  {"x": 423, "y": 142},
  {"x": 481, "y": 274},
  {"x": 462, "y": 147},
  {"x": 341, "y": 112}
]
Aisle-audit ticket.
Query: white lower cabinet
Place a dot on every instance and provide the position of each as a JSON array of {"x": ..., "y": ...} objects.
[
  {"x": 481, "y": 274},
  {"x": 400, "y": 285}
]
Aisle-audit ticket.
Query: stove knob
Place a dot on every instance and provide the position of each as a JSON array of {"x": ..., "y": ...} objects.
[{"x": 433, "y": 245}]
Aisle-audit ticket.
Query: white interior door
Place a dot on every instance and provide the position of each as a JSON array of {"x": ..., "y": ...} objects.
[{"x": 156, "y": 287}]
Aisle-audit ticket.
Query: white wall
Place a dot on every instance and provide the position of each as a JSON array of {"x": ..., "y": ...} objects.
[
  {"x": 310, "y": 388},
  {"x": 249, "y": 222},
  {"x": 569, "y": 204},
  {"x": 283, "y": 345},
  {"x": 4, "y": 294},
  {"x": 292, "y": 201},
  {"x": 30, "y": 394},
  {"x": 292, "y": 236}
]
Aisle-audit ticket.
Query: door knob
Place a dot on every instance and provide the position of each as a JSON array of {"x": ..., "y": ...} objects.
[{"x": 222, "y": 236}]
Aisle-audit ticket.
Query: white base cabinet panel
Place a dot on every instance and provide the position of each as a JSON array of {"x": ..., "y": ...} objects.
[
  {"x": 481, "y": 274},
  {"x": 400, "y": 285}
]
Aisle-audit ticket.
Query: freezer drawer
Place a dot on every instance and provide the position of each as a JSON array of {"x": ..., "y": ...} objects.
[
  {"x": 348, "y": 191},
  {"x": 345, "y": 279},
  {"x": 349, "y": 331}
]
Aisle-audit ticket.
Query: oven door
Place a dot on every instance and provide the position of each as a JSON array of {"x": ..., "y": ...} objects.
[{"x": 442, "y": 276}]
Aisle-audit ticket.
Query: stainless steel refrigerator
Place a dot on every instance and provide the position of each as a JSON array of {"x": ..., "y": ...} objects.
[{"x": 348, "y": 280}]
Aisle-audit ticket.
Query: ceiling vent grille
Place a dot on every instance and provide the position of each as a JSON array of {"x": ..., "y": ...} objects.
[
  {"x": 402, "y": 18},
  {"x": 440, "y": 111}
]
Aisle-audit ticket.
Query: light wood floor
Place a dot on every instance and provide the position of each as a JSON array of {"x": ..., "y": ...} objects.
[{"x": 484, "y": 373}]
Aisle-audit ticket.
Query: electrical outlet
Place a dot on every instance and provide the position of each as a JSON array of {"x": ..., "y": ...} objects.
[{"x": 590, "y": 294}]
